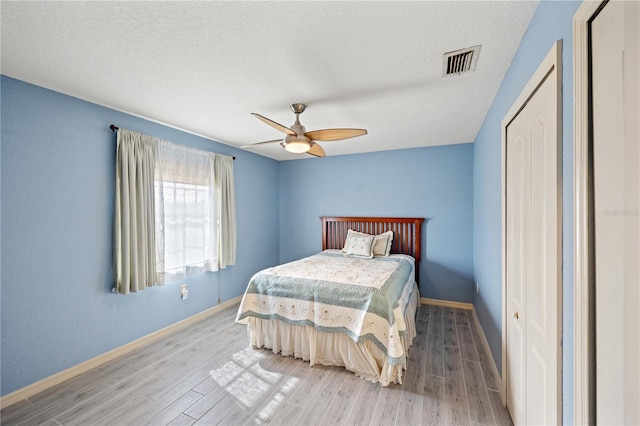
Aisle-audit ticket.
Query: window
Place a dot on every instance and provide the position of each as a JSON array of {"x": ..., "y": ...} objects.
[
  {"x": 185, "y": 206},
  {"x": 175, "y": 212}
]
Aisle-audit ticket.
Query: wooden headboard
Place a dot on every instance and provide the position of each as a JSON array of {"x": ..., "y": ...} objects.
[{"x": 406, "y": 232}]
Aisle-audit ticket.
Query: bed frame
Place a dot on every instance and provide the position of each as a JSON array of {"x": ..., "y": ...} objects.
[{"x": 407, "y": 232}]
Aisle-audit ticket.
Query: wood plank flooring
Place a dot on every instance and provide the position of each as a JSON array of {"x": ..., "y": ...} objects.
[{"x": 206, "y": 374}]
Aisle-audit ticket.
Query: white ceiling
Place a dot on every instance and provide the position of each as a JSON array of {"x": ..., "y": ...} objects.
[{"x": 204, "y": 66}]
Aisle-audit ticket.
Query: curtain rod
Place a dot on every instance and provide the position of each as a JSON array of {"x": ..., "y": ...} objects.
[{"x": 115, "y": 128}]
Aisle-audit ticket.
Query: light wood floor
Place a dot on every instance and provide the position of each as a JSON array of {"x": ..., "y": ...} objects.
[{"x": 207, "y": 374}]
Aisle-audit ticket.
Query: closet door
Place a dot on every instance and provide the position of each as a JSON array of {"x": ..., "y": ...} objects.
[
  {"x": 616, "y": 156},
  {"x": 518, "y": 256},
  {"x": 533, "y": 279}
]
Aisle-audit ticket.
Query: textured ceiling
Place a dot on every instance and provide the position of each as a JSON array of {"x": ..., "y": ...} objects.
[{"x": 205, "y": 66}]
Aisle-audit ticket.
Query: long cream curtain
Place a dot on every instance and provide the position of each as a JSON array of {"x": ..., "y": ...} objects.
[
  {"x": 188, "y": 213},
  {"x": 225, "y": 193},
  {"x": 135, "y": 238}
]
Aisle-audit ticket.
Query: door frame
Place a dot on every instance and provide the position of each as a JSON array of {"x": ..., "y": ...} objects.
[
  {"x": 553, "y": 60},
  {"x": 583, "y": 248}
]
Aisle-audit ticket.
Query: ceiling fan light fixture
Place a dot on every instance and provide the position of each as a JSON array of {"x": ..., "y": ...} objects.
[
  {"x": 299, "y": 141},
  {"x": 297, "y": 146}
]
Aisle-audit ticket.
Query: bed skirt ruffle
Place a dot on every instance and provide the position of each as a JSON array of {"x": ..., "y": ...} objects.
[{"x": 365, "y": 359}]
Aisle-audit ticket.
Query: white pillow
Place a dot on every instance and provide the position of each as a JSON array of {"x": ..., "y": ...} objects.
[
  {"x": 350, "y": 234},
  {"x": 359, "y": 246},
  {"x": 381, "y": 243}
]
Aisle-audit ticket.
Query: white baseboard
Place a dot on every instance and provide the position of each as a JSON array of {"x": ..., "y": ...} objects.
[
  {"x": 46, "y": 383},
  {"x": 446, "y": 303},
  {"x": 485, "y": 343}
]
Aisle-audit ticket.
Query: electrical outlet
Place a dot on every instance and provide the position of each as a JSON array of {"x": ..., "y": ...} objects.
[
  {"x": 184, "y": 292},
  {"x": 477, "y": 287}
]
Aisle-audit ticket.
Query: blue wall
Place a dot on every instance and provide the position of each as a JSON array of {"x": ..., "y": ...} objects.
[
  {"x": 434, "y": 183},
  {"x": 57, "y": 173},
  {"x": 552, "y": 21},
  {"x": 57, "y": 165}
]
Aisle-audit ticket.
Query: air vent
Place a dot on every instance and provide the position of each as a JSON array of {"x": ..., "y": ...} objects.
[{"x": 460, "y": 61}]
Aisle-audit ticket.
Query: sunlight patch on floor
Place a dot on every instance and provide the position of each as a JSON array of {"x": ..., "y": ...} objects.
[
  {"x": 244, "y": 378},
  {"x": 278, "y": 399}
]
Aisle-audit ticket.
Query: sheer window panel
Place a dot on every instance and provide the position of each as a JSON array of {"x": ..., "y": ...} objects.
[{"x": 186, "y": 212}]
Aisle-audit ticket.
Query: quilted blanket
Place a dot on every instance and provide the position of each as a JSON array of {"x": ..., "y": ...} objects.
[{"x": 362, "y": 298}]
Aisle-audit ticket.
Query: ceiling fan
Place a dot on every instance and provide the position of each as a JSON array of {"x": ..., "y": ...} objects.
[{"x": 298, "y": 140}]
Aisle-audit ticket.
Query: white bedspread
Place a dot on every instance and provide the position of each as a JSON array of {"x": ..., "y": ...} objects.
[{"x": 364, "y": 299}]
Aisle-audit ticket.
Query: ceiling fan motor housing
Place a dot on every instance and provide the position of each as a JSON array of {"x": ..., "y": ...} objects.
[{"x": 299, "y": 142}]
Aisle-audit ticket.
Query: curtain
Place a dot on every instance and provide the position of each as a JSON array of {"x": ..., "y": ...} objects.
[
  {"x": 134, "y": 228},
  {"x": 175, "y": 212},
  {"x": 225, "y": 193}
]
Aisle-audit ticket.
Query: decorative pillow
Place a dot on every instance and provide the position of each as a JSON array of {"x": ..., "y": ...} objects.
[
  {"x": 381, "y": 243},
  {"x": 359, "y": 246},
  {"x": 351, "y": 234}
]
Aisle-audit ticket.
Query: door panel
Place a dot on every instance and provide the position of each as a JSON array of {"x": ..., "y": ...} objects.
[
  {"x": 539, "y": 195},
  {"x": 532, "y": 258},
  {"x": 616, "y": 90},
  {"x": 537, "y": 379},
  {"x": 517, "y": 225}
]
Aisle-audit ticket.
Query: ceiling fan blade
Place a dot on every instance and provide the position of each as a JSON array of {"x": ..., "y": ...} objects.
[
  {"x": 273, "y": 124},
  {"x": 261, "y": 143},
  {"x": 316, "y": 150},
  {"x": 334, "y": 134}
]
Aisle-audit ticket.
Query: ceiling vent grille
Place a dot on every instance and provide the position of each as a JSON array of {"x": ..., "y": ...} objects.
[{"x": 460, "y": 61}]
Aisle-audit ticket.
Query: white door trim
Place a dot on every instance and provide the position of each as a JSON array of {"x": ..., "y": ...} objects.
[
  {"x": 552, "y": 61},
  {"x": 583, "y": 336}
]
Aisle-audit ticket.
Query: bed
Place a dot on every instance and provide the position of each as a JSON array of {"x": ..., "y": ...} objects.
[{"x": 343, "y": 306}]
